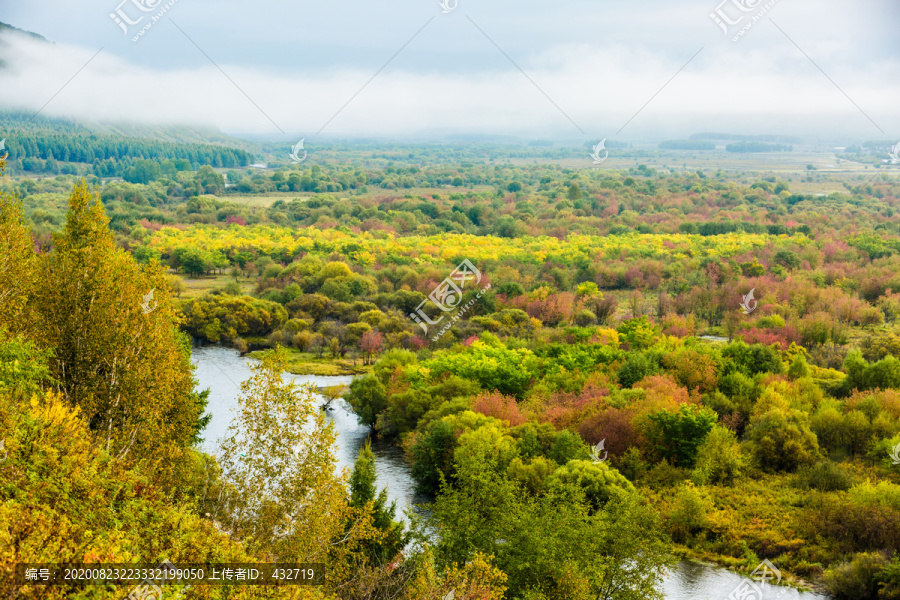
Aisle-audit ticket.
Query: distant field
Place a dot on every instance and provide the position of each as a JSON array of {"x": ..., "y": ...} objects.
[
  {"x": 263, "y": 201},
  {"x": 782, "y": 163}
]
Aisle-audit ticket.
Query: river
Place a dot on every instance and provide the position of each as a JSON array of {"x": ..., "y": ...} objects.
[{"x": 222, "y": 370}]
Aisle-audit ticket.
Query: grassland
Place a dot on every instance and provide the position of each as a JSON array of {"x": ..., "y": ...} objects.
[{"x": 306, "y": 363}]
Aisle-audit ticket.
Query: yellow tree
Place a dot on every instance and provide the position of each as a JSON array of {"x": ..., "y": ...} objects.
[
  {"x": 17, "y": 262},
  {"x": 284, "y": 498},
  {"x": 114, "y": 334}
]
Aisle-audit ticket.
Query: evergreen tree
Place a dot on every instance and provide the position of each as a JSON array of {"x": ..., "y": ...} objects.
[{"x": 365, "y": 495}]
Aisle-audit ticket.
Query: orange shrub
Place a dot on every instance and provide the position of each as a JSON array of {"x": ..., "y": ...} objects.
[{"x": 495, "y": 404}]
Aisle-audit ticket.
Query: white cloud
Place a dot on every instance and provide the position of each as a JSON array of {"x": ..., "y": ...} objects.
[{"x": 762, "y": 84}]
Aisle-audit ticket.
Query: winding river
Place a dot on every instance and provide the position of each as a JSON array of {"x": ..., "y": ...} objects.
[{"x": 222, "y": 370}]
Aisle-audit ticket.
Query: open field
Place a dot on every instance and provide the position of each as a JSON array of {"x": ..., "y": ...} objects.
[{"x": 199, "y": 286}]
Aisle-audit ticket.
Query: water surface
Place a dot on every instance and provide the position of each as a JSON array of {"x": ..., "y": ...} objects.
[{"x": 222, "y": 370}]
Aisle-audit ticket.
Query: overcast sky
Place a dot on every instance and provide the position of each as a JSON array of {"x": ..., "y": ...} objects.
[{"x": 589, "y": 66}]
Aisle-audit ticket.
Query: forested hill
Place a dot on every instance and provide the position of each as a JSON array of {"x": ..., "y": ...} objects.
[
  {"x": 32, "y": 140},
  {"x": 4, "y": 27}
]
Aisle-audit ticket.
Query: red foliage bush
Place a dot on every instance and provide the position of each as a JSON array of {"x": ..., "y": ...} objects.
[
  {"x": 495, "y": 404},
  {"x": 613, "y": 425},
  {"x": 415, "y": 343},
  {"x": 150, "y": 226},
  {"x": 567, "y": 410},
  {"x": 555, "y": 309},
  {"x": 678, "y": 325},
  {"x": 783, "y": 337}
]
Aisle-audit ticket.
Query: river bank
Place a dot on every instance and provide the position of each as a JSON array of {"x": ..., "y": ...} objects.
[
  {"x": 222, "y": 370},
  {"x": 307, "y": 363}
]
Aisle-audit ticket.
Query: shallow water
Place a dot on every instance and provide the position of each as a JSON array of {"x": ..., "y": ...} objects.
[{"x": 222, "y": 370}]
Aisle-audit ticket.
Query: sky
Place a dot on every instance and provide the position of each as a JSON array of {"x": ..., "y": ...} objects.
[{"x": 571, "y": 70}]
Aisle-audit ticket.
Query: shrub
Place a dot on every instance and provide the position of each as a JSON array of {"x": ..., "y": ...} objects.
[
  {"x": 613, "y": 425},
  {"x": 636, "y": 367},
  {"x": 489, "y": 445},
  {"x": 494, "y": 404},
  {"x": 825, "y": 476},
  {"x": 781, "y": 440},
  {"x": 403, "y": 410},
  {"x": 719, "y": 458},
  {"x": 867, "y": 517},
  {"x": 799, "y": 368},
  {"x": 367, "y": 397},
  {"x": 533, "y": 475},
  {"x": 857, "y": 579},
  {"x": 567, "y": 446},
  {"x": 585, "y": 317},
  {"x": 599, "y": 481},
  {"x": 694, "y": 370},
  {"x": 754, "y": 359},
  {"x": 678, "y": 436},
  {"x": 432, "y": 456},
  {"x": 689, "y": 512},
  {"x": 638, "y": 333}
]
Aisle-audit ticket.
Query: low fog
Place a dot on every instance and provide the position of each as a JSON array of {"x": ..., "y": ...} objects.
[{"x": 583, "y": 82}]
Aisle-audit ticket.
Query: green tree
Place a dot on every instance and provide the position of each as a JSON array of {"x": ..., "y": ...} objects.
[
  {"x": 364, "y": 495},
  {"x": 754, "y": 359},
  {"x": 782, "y": 441},
  {"x": 679, "y": 436},
  {"x": 638, "y": 332},
  {"x": 367, "y": 397},
  {"x": 637, "y": 366},
  {"x": 551, "y": 545},
  {"x": 598, "y": 481},
  {"x": 491, "y": 364},
  {"x": 719, "y": 458},
  {"x": 432, "y": 456},
  {"x": 18, "y": 264}
]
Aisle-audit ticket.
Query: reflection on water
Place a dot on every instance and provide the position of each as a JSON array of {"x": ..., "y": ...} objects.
[
  {"x": 695, "y": 581},
  {"x": 222, "y": 370}
]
